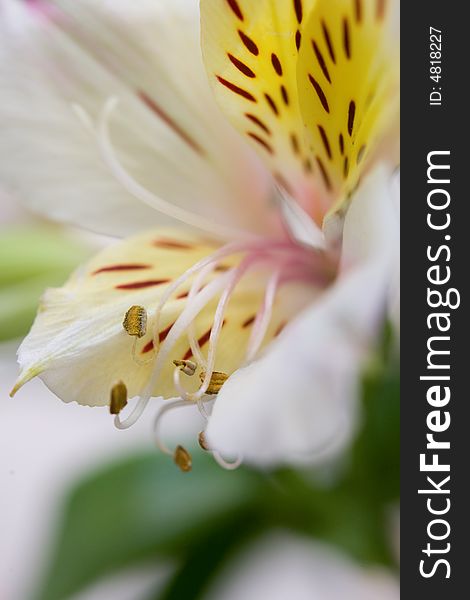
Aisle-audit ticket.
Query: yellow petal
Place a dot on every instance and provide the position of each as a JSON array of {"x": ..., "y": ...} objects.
[
  {"x": 293, "y": 76},
  {"x": 80, "y": 348},
  {"x": 347, "y": 81},
  {"x": 250, "y": 51}
]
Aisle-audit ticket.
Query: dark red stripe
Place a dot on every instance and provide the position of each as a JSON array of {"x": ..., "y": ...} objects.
[
  {"x": 320, "y": 93},
  {"x": 346, "y": 38},
  {"x": 201, "y": 341},
  {"x": 324, "y": 173},
  {"x": 158, "y": 110},
  {"x": 261, "y": 142},
  {"x": 237, "y": 90},
  {"x": 148, "y": 347},
  {"x": 276, "y": 63},
  {"x": 172, "y": 244},
  {"x": 325, "y": 141},
  {"x": 326, "y": 35},
  {"x": 298, "y": 10},
  {"x": 284, "y": 95},
  {"x": 137, "y": 285},
  {"x": 283, "y": 183},
  {"x": 249, "y": 43},
  {"x": 341, "y": 143},
  {"x": 381, "y": 9},
  {"x": 295, "y": 143},
  {"x": 351, "y": 115},
  {"x": 258, "y": 122},
  {"x": 321, "y": 61},
  {"x": 241, "y": 66},
  {"x": 161, "y": 337},
  {"x": 298, "y": 39},
  {"x": 358, "y": 10},
  {"x": 235, "y": 8},
  {"x": 129, "y": 267},
  {"x": 248, "y": 322},
  {"x": 272, "y": 104}
]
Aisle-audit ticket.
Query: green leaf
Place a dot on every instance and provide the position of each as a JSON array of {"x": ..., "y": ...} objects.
[
  {"x": 139, "y": 509},
  {"x": 31, "y": 260}
]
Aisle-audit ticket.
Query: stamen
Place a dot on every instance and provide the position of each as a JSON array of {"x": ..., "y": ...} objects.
[
  {"x": 135, "y": 321},
  {"x": 235, "y": 276},
  {"x": 188, "y": 367},
  {"x": 290, "y": 260},
  {"x": 180, "y": 326},
  {"x": 118, "y": 398},
  {"x": 217, "y": 380},
  {"x": 191, "y": 334},
  {"x": 183, "y": 459},
  {"x": 133, "y": 417},
  {"x": 202, "y": 408},
  {"x": 230, "y": 466},
  {"x": 263, "y": 318},
  {"x": 169, "y": 405},
  {"x": 201, "y": 438}
]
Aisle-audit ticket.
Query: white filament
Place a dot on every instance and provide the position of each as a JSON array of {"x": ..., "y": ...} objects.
[
  {"x": 138, "y": 191},
  {"x": 229, "y": 466},
  {"x": 263, "y": 318},
  {"x": 170, "y": 405}
]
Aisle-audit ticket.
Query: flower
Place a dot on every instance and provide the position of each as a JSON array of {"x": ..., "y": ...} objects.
[
  {"x": 282, "y": 565},
  {"x": 270, "y": 296}
]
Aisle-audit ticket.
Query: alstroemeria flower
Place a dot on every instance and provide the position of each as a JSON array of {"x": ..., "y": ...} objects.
[{"x": 108, "y": 122}]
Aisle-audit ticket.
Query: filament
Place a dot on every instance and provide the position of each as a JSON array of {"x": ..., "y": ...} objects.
[
  {"x": 263, "y": 318},
  {"x": 138, "y": 191}
]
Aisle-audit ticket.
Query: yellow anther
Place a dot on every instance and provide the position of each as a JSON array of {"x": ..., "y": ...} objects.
[
  {"x": 135, "y": 321},
  {"x": 118, "y": 398},
  {"x": 201, "y": 438},
  {"x": 183, "y": 459},
  {"x": 217, "y": 381},
  {"x": 187, "y": 366}
]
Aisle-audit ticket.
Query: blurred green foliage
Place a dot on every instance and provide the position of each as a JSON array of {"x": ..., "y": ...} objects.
[
  {"x": 145, "y": 509},
  {"x": 32, "y": 259}
]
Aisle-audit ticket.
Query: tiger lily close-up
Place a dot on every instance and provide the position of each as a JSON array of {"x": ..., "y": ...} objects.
[{"x": 246, "y": 152}]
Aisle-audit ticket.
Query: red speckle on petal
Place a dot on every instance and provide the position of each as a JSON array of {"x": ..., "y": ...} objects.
[
  {"x": 172, "y": 244},
  {"x": 161, "y": 337},
  {"x": 201, "y": 341},
  {"x": 148, "y": 347},
  {"x": 248, "y": 322},
  {"x": 128, "y": 267},
  {"x": 137, "y": 285}
]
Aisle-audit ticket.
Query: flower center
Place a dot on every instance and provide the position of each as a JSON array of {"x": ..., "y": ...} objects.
[{"x": 284, "y": 262}]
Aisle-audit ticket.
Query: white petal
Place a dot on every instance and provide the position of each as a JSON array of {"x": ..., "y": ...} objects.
[
  {"x": 57, "y": 73},
  {"x": 283, "y": 566},
  {"x": 298, "y": 403},
  {"x": 372, "y": 232},
  {"x": 78, "y": 344}
]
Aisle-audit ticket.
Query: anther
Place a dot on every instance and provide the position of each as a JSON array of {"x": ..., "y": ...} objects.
[
  {"x": 217, "y": 381},
  {"x": 118, "y": 398},
  {"x": 201, "y": 438},
  {"x": 135, "y": 321},
  {"x": 188, "y": 367},
  {"x": 182, "y": 458}
]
